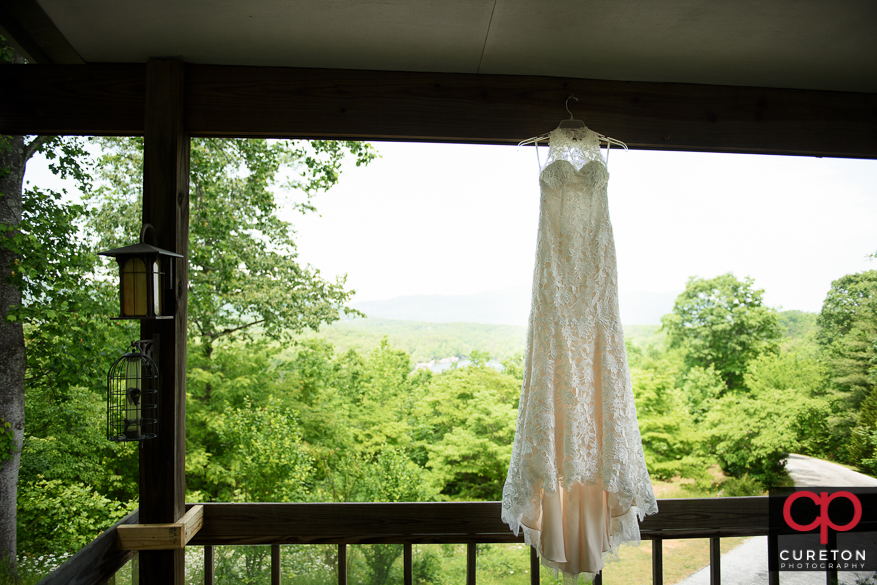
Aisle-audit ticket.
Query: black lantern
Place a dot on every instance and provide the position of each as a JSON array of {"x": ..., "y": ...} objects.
[
  {"x": 132, "y": 395},
  {"x": 145, "y": 280}
]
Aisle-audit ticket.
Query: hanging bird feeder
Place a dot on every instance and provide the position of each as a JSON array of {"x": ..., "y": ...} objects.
[
  {"x": 132, "y": 395},
  {"x": 145, "y": 279}
]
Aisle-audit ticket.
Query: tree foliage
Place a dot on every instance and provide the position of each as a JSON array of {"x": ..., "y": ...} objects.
[
  {"x": 843, "y": 303},
  {"x": 465, "y": 427},
  {"x": 670, "y": 439},
  {"x": 59, "y": 516},
  {"x": 244, "y": 272},
  {"x": 722, "y": 322},
  {"x": 268, "y": 460}
]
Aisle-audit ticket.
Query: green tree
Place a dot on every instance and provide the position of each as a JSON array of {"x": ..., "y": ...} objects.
[
  {"x": 754, "y": 433},
  {"x": 49, "y": 299},
  {"x": 55, "y": 516},
  {"x": 66, "y": 441},
  {"x": 821, "y": 424},
  {"x": 269, "y": 462},
  {"x": 14, "y": 154},
  {"x": 787, "y": 371},
  {"x": 466, "y": 426},
  {"x": 851, "y": 356},
  {"x": 669, "y": 437},
  {"x": 244, "y": 272},
  {"x": 239, "y": 373},
  {"x": 514, "y": 366},
  {"x": 799, "y": 332},
  {"x": 722, "y": 322},
  {"x": 797, "y": 323},
  {"x": 751, "y": 436},
  {"x": 842, "y": 304},
  {"x": 862, "y": 441},
  {"x": 385, "y": 396},
  {"x": 701, "y": 387}
]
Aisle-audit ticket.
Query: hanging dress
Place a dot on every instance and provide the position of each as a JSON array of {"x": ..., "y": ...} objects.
[{"x": 577, "y": 484}]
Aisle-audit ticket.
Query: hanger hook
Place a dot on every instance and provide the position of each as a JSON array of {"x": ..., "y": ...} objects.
[{"x": 571, "y": 97}]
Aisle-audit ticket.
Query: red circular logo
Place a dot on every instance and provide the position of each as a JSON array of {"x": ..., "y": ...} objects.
[{"x": 822, "y": 521}]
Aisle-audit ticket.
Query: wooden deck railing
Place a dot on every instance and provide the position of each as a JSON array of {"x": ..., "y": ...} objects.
[{"x": 416, "y": 523}]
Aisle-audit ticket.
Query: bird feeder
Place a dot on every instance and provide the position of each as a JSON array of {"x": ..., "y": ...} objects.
[
  {"x": 145, "y": 280},
  {"x": 132, "y": 396}
]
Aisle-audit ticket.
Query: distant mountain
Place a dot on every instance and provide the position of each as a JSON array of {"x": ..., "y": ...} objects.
[
  {"x": 508, "y": 306},
  {"x": 645, "y": 308}
]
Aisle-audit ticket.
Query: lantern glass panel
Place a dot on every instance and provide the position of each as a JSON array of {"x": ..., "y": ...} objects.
[
  {"x": 134, "y": 282},
  {"x": 156, "y": 287}
]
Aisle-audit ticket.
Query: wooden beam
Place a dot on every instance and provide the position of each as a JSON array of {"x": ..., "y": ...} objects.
[
  {"x": 72, "y": 99},
  {"x": 96, "y": 562},
  {"x": 166, "y": 207},
  {"x": 29, "y": 29},
  {"x": 444, "y": 107},
  {"x": 168, "y": 536},
  {"x": 505, "y": 109}
]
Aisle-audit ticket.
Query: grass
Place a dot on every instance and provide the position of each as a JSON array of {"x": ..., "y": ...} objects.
[
  {"x": 681, "y": 558},
  {"x": 510, "y": 563}
]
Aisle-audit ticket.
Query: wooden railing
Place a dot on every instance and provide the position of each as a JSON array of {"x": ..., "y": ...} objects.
[
  {"x": 407, "y": 524},
  {"x": 469, "y": 523}
]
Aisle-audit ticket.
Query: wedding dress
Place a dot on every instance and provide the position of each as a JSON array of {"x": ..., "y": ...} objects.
[{"x": 577, "y": 484}]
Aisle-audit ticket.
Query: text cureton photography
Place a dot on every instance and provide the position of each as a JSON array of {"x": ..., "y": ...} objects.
[{"x": 820, "y": 528}]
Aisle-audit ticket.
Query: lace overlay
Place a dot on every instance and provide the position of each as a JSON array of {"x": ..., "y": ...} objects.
[{"x": 577, "y": 420}]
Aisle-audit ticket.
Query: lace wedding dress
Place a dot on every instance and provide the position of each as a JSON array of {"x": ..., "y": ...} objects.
[{"x": 577, "y": 484}]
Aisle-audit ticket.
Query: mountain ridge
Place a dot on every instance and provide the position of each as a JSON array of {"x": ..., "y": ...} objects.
[{"x": 505, "y": 306}]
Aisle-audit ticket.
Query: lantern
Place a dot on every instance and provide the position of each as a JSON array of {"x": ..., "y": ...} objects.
[
  {"x": 132, "y": 395},
  {"x": 145, "y": 280}
]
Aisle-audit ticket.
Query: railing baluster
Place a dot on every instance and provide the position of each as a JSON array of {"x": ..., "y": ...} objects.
[
  {"x": 831, "y": 574},
  {"x": 135, "y": 569},
  {"x": 407, "y": 565},
  {"x": 657, "y": 562},
  {"x": 470, "y": 563},
  {"x": 534, "y": 567},
  {"x": 275, "y": 564},
  {"x": 715, "y": 561},
  {"x": 773, "y": 558},
  {"x": 208, "y": 565},
  {"x": 598, "y": 579},
  {"x": 342, "y": 564}
]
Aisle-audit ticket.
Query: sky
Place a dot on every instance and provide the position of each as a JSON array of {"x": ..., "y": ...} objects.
[{"x": 460, "y": 219}]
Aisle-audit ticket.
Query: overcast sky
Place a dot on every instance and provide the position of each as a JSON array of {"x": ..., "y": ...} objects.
[
  {"x": 460, "y": 219},
  {"x": 452, "y": 219}
]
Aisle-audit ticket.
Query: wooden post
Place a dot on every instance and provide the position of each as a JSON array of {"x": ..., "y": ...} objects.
[
  {"x": 471, "y": 554},
  {"x": 407, "y": 564},
  {"x": 166, "y": 207},
  {"x": 657, "y": 562},
  {"x": 208, "y": 565},
  {"x": 715, "y": 561},
  {"x": 275, "y": 564},
  {"x": 342, "y": 564}
]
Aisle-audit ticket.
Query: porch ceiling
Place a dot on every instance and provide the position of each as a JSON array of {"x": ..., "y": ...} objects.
[{"x": 804, "y": 44}]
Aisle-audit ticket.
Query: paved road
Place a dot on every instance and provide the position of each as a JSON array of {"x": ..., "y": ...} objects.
[
  {"x": 747, "y": 564},
  {"x": 807, "y": 471}
]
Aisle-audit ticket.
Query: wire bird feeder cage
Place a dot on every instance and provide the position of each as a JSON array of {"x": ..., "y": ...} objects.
[{"x": 132, "y": 395}]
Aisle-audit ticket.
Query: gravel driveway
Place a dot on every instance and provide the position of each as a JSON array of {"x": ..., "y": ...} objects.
[{"x": 747, "y": 564}]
